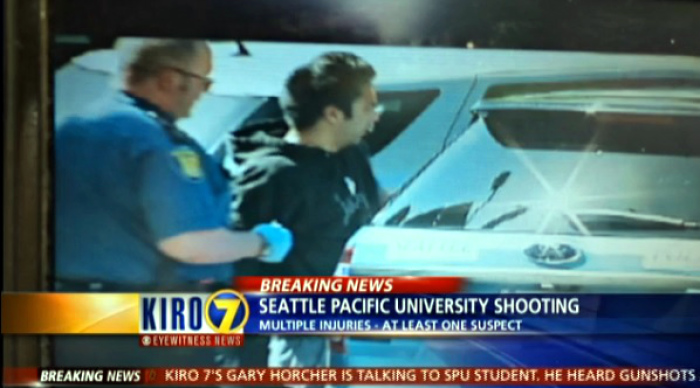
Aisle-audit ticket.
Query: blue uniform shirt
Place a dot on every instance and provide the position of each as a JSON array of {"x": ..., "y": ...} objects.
[{"x": 126, "y": 178}]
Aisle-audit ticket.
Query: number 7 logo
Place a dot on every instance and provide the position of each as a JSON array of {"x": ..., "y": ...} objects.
[{"x": 227, "y": 311}]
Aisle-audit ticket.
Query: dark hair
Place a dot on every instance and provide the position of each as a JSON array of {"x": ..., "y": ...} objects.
[{"x": 335, "y": 78}]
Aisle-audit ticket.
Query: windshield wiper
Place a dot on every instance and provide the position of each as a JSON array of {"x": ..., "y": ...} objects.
[
  {"x": 620, "y": 219},
  {"x": 496, "y": 185},
  {"x": 511, "y": 215}
]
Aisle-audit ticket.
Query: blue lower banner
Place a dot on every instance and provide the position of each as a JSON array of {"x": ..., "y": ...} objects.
[{"x": 469, "y": 314}]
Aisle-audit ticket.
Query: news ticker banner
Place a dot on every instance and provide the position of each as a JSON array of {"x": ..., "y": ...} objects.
[
  {"x": 350, "y": 376},
  {"x": 343, "y": 306}
]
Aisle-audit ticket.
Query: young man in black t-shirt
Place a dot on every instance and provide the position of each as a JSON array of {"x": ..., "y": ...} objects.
[{"x": 317, "y": 181}]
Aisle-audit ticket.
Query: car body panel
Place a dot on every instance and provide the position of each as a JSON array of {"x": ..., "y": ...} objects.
[{"x": 499, "y": 259}]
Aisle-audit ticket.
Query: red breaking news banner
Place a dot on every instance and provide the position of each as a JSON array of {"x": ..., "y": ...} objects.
[
  {"x": 349, "y": 284},
  {"x": 355, "y": 376}
]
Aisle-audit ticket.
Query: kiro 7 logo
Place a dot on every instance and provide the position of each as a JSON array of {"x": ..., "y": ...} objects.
[{"x": 225, "y": 312}]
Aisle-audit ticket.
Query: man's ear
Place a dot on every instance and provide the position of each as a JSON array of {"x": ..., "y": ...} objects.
[
  {"x": 333, "y": 115},
  {"x": 168, "y": 81}
]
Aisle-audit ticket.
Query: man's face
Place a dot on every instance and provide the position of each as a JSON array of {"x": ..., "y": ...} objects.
[
  {"x": 193, "y": 81},
  {"x": 364, "y": 116}
]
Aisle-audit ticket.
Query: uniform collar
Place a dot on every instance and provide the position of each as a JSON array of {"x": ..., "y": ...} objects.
[{"x": 148, "y": 106}]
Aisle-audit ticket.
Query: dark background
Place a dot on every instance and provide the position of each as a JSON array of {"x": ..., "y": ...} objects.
[{"x": 625, "y": 26}]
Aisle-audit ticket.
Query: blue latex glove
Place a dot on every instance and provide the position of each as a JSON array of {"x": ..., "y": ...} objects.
[{"x": 279, "y": 241}]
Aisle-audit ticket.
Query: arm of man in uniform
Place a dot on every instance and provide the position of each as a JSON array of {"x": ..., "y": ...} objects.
[
  {"x": 182, "y": 213},
  {"x": 268, "y": 242},
  {"x": 212, "y": 246}
]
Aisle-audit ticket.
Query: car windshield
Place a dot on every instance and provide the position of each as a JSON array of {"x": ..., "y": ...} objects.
[{"x": 562, "y": 172}]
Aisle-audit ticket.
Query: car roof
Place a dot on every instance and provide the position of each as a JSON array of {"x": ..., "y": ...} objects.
[{"x": 269, "y": 63}]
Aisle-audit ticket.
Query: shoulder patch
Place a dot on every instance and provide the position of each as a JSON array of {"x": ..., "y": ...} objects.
[{"x": 189, "y": 162}]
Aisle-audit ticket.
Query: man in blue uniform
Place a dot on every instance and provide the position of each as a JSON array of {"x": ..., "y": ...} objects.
[{"x": 139, "y": 205}]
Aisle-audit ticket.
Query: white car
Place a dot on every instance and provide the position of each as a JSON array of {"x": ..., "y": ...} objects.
[
  {"x": 584, "y": 182},
  {"x": 553, "y": 182}
]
